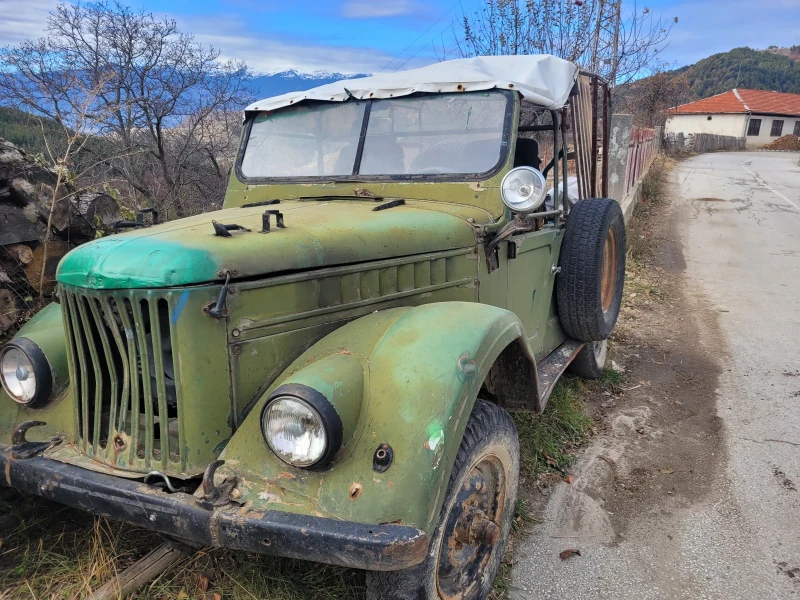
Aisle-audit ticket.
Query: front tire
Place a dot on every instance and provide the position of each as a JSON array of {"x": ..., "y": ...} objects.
[{"x": 470, "y": 539}]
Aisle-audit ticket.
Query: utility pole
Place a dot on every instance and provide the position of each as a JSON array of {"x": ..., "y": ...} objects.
[
  {"x": 615, "y": 60},
  {"x": 595, "y": 62}
]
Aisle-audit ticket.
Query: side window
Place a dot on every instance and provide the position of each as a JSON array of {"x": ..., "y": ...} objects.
[
  {"x": 797, "y": 128},
  {"x": 755, "y": 127},
  {"x": 777, "y": 128}
]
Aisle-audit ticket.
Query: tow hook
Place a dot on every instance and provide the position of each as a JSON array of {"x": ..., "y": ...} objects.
[
  {"x": 22, "y": 448},
  {"x": 213, "y": 495}
]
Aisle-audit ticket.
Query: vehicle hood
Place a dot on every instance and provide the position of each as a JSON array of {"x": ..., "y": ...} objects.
[{"x": 317, "y": 234}]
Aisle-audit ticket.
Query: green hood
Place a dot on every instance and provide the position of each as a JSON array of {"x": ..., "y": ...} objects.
[{"x": 317, "y": 234}]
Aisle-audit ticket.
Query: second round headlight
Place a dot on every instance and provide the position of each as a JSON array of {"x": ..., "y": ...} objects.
[
  {"x": 302, "y": 428},
  {"x": 25, "y": 373},
  {"x": 523, "y": 189},
  {"x": 18, "y": 375}
]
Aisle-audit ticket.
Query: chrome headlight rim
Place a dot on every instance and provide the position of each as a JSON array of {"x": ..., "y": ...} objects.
[
  {"x": 43, "y": 376},
  {"x": 534, "y": 205},
  {"x": 316, "y": 401}
]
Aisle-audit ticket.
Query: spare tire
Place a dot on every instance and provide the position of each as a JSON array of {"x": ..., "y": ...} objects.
[{"x": 592, "y": 261}]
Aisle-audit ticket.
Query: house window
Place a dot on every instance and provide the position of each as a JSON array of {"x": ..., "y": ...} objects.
[
  {"x": 797, "y": 128},
  {"x": 777, "y": 128},
  {"x": 755, "y": 127}
]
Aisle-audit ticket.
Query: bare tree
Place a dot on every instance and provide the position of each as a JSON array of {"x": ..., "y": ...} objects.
[
  {"x": 598, "y": 35},
  {"x": 159, "y": 95},
  {"x": 648, "y": 99}
]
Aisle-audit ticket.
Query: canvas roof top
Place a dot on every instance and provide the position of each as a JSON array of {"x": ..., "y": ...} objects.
[{"x": 542, "y": 79}]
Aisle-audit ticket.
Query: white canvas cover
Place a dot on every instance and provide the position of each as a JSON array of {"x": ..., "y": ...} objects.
[{"x": 542, "y": 79}]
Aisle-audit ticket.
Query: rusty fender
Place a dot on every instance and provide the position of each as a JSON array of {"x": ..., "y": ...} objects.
[
  {"x": 403, "y": 379},
  {"x": 375, "y": 547}
]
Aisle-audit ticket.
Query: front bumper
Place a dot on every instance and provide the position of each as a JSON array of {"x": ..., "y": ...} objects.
[{"x": 359, "y": 545}]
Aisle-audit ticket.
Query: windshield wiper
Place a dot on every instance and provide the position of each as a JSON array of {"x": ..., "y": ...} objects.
[{"x": 327, "y": 197}]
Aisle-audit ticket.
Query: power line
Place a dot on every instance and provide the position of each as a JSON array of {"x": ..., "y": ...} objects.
[
  {"x": 457, "y": 43},
  {"x": 418, "y": 39}
]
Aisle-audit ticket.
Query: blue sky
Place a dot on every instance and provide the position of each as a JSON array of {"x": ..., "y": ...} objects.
[{"x": 357, "y": 36}]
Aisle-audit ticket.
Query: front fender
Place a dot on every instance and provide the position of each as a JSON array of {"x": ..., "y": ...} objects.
[
  {"x": 45, "y": 329},
  {"x": 421, "y": 370}
]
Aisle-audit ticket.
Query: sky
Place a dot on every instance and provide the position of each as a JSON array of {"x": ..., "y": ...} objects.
[{"x": 365, "y": 36}]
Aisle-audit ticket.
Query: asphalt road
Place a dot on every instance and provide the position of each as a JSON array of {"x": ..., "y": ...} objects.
[{"x": 733, "y": 532}]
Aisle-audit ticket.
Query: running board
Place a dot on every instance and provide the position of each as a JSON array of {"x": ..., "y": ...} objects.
[{"x": 553, "y": 365}]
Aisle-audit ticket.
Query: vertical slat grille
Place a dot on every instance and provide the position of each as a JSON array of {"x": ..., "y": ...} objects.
[{"x": 120, "y": 355}]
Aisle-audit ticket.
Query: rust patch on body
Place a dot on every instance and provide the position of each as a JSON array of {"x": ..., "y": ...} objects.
[{"x": 355, "y": 490}]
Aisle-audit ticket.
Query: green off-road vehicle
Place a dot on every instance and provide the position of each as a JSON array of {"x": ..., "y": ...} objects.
[{"x": 323, "y": 369}]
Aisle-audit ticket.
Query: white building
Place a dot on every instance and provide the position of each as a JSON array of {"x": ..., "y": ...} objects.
[{"x": 755, "y": 114}]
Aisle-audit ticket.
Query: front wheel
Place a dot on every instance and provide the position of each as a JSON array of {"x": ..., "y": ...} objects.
[{"x": 470, "y": 538}]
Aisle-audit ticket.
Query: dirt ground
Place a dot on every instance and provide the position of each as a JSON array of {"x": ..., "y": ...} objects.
[
  {"x": 670, "y": 433},
  {"x": 659, "y": 443},
  {"x": 664, "y": 402}
]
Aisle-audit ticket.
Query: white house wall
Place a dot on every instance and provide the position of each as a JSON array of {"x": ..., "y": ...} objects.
[
  {"x": 732, "y": 125},
  {"x": 763, "y": 138}
]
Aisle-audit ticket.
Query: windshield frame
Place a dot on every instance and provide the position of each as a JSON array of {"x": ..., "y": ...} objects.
[{"x": 505, "y": 146}]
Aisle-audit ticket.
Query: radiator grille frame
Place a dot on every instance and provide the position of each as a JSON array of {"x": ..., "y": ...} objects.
[{"x": 119, "y": 380}]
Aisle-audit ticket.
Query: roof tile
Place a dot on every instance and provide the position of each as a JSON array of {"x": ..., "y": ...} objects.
[{"x": 743, "y": 101}]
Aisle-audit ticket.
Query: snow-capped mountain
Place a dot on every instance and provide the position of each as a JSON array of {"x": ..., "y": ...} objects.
[{"x": 274, "y": 84}]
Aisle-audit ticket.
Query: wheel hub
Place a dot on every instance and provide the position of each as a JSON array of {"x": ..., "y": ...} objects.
[
  {"x": 608, "y": 274},
  {"x": 471, "y": 531}
]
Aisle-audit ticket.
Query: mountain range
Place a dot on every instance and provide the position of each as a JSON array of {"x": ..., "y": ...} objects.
[
  {"x": 275, "y": 84},
  {"x": 774, "y": 69}
]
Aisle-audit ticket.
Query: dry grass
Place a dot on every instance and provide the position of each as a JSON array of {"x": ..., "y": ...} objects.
[{"x": 60, "y": 553}]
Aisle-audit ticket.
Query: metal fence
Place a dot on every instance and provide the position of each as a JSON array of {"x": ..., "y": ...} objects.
[{"x": 641, "y": 150}]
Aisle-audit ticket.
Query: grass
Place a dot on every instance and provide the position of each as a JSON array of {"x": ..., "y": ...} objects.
[
  {"x": 61, "y": 553},
  {"x": 651, "y": 199},
  {"x": 642, "y": 279},
  {"x": 546, "y": 441}
]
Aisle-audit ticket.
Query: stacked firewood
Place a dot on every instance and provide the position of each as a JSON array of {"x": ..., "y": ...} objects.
[{"x": 32, "y": 196}]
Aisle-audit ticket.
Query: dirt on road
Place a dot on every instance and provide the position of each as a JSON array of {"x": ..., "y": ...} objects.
[{"x": 651, "y": 508}]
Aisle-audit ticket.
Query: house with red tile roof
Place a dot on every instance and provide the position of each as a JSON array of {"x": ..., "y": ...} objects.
[{"x": 757, "y": 115}]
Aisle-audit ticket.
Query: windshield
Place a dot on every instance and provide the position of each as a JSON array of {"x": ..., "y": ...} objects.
[{"x": 419, "y": 135}]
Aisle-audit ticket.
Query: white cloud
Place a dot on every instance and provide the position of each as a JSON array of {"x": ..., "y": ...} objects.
[
  {"x": 270, "y": 56},
  {"x": 371, "y": 9},
  {"x": 23, "y": 19}
]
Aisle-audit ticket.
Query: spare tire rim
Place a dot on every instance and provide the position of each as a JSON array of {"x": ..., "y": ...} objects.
[
  {"x": 472, "y": 530},
  {"x": 608, "y": 274}
]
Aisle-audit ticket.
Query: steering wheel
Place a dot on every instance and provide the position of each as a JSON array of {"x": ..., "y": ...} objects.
[{"x": 434, "y": 170}]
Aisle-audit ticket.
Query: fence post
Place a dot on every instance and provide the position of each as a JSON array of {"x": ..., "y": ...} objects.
[{"x": 618, "y": 155}]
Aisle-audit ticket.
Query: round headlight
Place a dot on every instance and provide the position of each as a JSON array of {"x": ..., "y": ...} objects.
[
  {"x": 25, "y": 372},
  {"x": 300, "y": 426},
  {"x": 523, "y": 189}
]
